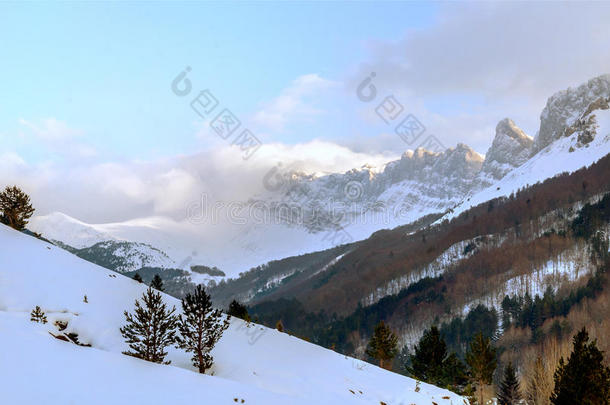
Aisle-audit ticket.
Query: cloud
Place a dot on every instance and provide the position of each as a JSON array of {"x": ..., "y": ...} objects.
[
  {"x": 51, "y": 129},
  {"x": 119, "y": 191},
  {"x": 295, "y": 103},
  {"x": 60, "y": 138},
  {"x": 481, "y": 62}
]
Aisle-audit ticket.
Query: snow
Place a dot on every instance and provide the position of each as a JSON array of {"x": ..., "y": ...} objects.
[
  {"x": 551, "y": 161},
  {"x": 253, "y": 363}
]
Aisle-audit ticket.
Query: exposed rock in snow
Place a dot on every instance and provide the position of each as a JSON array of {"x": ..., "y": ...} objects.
[
  {"x": 511, "y": 147},
  {"x": 564, "y": 107}
]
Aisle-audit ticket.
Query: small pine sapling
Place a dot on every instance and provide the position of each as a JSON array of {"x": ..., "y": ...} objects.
[{"x": 37, "y": 315}]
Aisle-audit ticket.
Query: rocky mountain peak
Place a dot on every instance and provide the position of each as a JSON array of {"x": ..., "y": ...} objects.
[
  {"x": 510, "y": 148},
  {"x": 565, "y": 107}
]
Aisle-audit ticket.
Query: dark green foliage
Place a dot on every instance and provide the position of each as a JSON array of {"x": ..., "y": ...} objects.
[
  {"x": 157, "y": 282},
  {"x": 432, "y": 364},
  {"x": 383, "y": 345},
  {"x": 459, "y": 332},
  {"x": 509, "y": 392},
  {"x": 137, "y": 278},
  {"x": 37, "y": 315},
  {"x": 584, "y": 379},
  {"x": 238, "y": 310},
  {"x": 176, "y": 282},
  {"x": 429, "y": 357},
  {"x": 329, "y": 330},
  {"x": 533, "y": 312},
  {"x": 151, "y": 329},
  {"x": 15, "y": 208},
  {"x": 211, "y": 271},
  {"x": 200, "y": 327},
  {"x": 591, "y": 217},
  {"x": 481, "y": 360}
]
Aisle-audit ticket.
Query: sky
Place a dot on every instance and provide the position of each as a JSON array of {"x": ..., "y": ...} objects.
[{"x": 90, "y": 125}]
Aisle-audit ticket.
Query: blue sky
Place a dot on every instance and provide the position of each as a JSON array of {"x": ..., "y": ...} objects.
[
  {"x": 89, "y": 125},
  {"x": 105, "y": 68}
]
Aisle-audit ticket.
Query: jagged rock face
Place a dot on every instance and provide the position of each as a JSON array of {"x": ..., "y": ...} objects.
[
  {"x": 419, "y": 180},
  {"x": 511, "y": 147},
  {"x": 565, "y": 107}
]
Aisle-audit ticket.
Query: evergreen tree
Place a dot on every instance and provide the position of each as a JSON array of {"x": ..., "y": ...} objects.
[
  {"x": 430, "y": 354},
  {"x": 432, "y": 364},
  {"x": 37, "y": 315},
  {"x": 383, "y": 345},
  {"x": 238, "y": 310},
  {"x": 15, "y": 208},
  {"x": 481, "y": 360},
  {"x": 157, "y": 283},
  {"x": 584, "y": 379},
  {"x": 200, "y": 327},
  {"x": 151, "y": 329},
  {"x": 137, "y": 278},
  {"x": 509, "y": 392}
]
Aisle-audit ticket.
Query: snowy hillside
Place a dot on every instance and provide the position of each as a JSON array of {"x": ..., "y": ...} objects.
[
  {"x": 566, "y": 154},
  {"x": 254, "y": 365}
]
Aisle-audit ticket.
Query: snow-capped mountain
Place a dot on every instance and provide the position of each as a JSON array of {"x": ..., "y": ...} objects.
[
  {"x": 574, "y": 133},
  {"x": 253, "y": 364},
  {"x": 300, "y": 213}
]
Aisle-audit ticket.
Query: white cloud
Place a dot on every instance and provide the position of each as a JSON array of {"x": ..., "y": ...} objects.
[
  {"x": 59, "y": 138},
  {"x": 51, "y": 129},
  {"x": 294, "y": 103},
  {"x": 117, "y": 191},
  {"x": 498, "y": 59}
]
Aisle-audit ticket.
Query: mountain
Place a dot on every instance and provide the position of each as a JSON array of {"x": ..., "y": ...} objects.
[
  {"x": 300, "y": 213},
  {"x": 518, "y": 237},
  {"x": 253, "y": 364},
  {"x": 510, "y": 148},
  {"x": 566, "y": 107}
]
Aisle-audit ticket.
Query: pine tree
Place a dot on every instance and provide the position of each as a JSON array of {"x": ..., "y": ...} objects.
[
  {"x": 238, "y": 310},
  {"x": 157, "y": 283},
  {"x": 432, "y": 364},
  {"x": 151, "y": 329},
  {"x": 137, "y": 278},
  {"x": 510, "y": 392},
  {"x": 481, "y": 360},
  {"x": 429, "y": 354},
  {"x": 37, "y": 315},
  {"x": 15, "y": 208},
  {"x": 383, "y": 345},
  {"x": 200, "y": 327},
  {"x": 584, "y": 379}
]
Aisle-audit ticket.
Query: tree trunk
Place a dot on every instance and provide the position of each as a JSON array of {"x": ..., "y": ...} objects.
[{"x": 201, "y": 365}]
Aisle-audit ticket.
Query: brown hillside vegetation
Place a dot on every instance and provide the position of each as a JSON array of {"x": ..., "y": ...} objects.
[{"x": 522, "y": 217}]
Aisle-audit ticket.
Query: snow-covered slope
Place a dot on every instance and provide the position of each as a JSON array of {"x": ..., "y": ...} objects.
[
  {"x": 582, "y": 141},
  {"x": 254, "y": 365}
]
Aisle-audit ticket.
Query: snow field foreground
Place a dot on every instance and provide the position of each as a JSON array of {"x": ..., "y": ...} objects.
[{"x": 252, "y": 363}]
